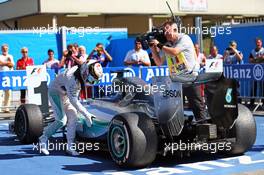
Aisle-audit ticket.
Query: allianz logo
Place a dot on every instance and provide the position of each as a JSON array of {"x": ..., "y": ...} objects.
[
  {"x": 17, "y": 81},
  {"x": 13, "y": 81},
  {"x": 153, "y": 72},
  {"x": 257, "y": 72}
]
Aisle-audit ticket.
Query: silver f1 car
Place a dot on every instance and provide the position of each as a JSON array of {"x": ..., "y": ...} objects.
[{"x": 137, "y": 125}]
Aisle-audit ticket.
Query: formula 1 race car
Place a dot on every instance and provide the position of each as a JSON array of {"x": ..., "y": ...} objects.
[{"x": 139, "y": 124}]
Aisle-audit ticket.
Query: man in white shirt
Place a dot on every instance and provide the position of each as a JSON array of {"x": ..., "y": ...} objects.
[
  {"x": 214, "y": 53},
  {"x": 51, "y": 62},
  {"x": 6, "y": 64},
  {"x": 137, "y": 56},
  {"x": 257, "y": 54}
]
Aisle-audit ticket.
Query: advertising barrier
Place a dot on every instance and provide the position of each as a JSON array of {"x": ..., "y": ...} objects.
[
  {"x": 248, "y": 75},
  {"x": 17, "y": 79}
]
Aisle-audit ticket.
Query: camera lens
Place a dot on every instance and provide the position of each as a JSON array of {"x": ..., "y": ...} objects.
[{"x": 70, "y": 53}]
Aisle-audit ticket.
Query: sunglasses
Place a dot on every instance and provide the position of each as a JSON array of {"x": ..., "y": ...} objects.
[{"x": 24, "y": 51}]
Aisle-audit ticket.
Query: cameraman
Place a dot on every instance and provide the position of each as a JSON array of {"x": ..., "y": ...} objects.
[{"x": 181, "y": 60}]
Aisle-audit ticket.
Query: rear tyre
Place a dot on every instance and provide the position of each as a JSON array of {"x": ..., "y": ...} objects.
[
  {"x": 132, "y": 140},
  {"x": 245, "y": 131},
  {"x": 28, "y": 123}
]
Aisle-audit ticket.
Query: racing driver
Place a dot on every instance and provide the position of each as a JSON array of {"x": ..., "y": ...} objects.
[{"x": 63, "y": 96}]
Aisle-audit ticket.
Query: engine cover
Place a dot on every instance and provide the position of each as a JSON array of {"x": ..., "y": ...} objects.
[{"x": 169, "y": 105}]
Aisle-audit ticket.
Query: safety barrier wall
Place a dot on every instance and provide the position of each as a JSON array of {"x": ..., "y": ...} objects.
[{"x": 250, "y": 77}]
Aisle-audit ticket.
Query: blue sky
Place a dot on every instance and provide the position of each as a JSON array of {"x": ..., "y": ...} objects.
[{"x": 3, "y": 0}]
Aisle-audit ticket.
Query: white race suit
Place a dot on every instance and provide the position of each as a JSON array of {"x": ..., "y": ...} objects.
[{"x": 63, "y": 96}]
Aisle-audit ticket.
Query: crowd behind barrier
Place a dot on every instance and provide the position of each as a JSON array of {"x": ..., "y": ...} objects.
[{"x": 250, "y": 77}]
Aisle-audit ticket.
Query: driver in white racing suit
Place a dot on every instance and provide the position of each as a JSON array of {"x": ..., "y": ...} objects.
[{"x": 63, "y": 96}]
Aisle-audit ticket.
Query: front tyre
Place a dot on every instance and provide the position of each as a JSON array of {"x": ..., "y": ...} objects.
[
  {"x": 28, "y": 123},
  {"x": 132, "y": 140}
]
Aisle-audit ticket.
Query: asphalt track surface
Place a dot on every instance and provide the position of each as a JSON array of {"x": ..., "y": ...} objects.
[{"x": 23, "y": 160}]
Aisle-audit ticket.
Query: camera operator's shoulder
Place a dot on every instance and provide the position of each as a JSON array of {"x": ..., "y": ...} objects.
[{"x": 186, "y": 37}]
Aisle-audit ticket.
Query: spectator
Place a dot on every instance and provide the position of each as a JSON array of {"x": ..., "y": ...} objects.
[
  {"x": 99, "y": 53},
  {"x": 76, "y": 47},
  {"x": 201, "y": 60},
  {"x": 70, "y": 57},
  {"x": 137, "y": 56},
  {"x": 257, "y": 56},
  {"x": 214, "y": 53},
  {"x": 6, "y": 64},
  {"x": 200, "y": 56},
  {"x": 84, "y": 58},
  {"x": 51, "y": 62},
  {"x": 232, "y": 55},
  {"x": 21, "y": 65},
  {"x": 82, "y": 52}
]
